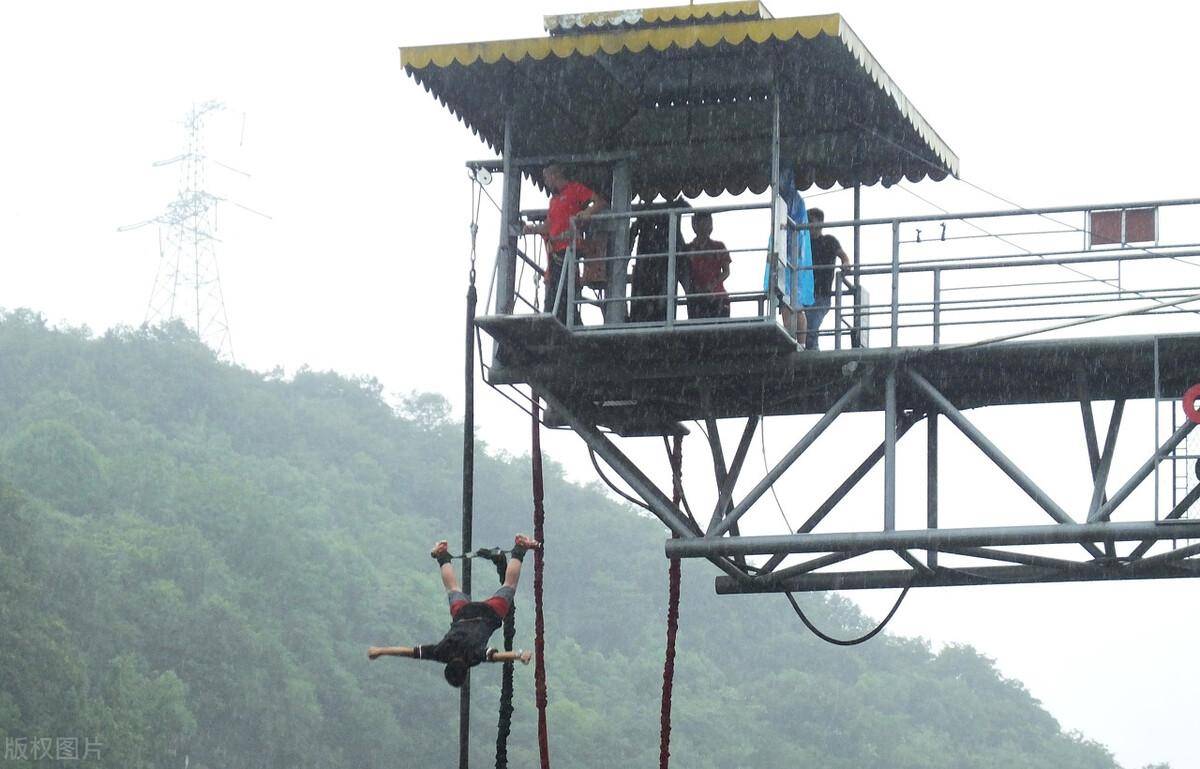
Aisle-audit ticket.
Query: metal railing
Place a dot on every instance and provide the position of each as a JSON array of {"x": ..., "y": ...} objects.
[
  {"x": 952, "y": 278},
  {"x": 1041, "y": 272}
]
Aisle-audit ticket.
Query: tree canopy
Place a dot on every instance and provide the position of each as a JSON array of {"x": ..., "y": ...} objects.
[{"x": 194, "y": 558}]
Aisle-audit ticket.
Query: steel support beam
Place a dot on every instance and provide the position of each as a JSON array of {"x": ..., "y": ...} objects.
[
  {"x": 622, "y": 197},
  {"x": 1089, "y": 425},
  {"x": 731, "y": 477},
  {"x": 856, "y": 334},
  {"x": 931, "y": 483},
  {"x": 921, "y": 539},
  {"x": 943, "y": 577},
  {"x": 1100, "y": 474},
  {"x": 720, "y": 471},
  {"x": 841, "y": 491},
  {"x": 510, "y": 205},
  {"x": 1172, "y": 556},
  {"x": 659, "y": 504},
  {"x": 1184, "y": 505},
  {"x": 889, "y": 453},
  {"x": 718, "y": 451},
  {"x": 782, "y": 466},
  {"x": 1012, "y": 557},
  {"x": 1106, "y": 510},
  {"x": 807, "y": 566},
  {"x": 545, "y": 160},
  {"x": 996, "y": 455},
  {"x": 914, "y": 562}
]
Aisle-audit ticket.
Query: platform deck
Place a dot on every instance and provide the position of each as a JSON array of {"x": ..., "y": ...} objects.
[{"x": 641, "y": 380}]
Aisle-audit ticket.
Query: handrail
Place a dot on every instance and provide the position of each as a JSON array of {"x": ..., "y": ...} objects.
[
  {"x": 994, "y": 214},
  {"x": 848, "y": 298}
]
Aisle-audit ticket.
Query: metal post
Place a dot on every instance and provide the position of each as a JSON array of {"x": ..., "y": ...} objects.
[
  {"x": 840, "y": 492},
  {"x": 672, "y": 244},
  {"x": 889, "y": 453},
  {"x": 510, "y": 204},
  {"x": 895, "y": 282},
  {"x": 931, "y": 482},
  {"x": 856, "y": 333},
  {"x": 622, "y": 197},
  {"x": 837, "y": 306},
  {"x": 937, "y": 306},
  {"x": 996, "y": 455},
  {"x": 1157, "y": 396},
  {"x": 570, "y": 270},
  {"x": 468, "y": 507},
  {"x": 778, "y": 228}
]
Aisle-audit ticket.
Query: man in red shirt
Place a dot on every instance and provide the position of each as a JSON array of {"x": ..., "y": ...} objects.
[
  {"x": 569, "y": 201},
  {"x": 710, "y": 267}
]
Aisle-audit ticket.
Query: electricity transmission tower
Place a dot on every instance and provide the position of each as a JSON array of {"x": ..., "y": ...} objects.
[{"x": 187, "y": 284}]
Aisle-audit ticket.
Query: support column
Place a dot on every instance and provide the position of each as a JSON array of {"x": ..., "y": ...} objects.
[
  {"x": 510, "y": 205},
  {"x": 931, "y": 483},
  {"x": 468, "y": 510},
  {"x": 896, "y": 283},
  {"x": 889, "y": 453},
  {"x": 856, "y": 281},
  {"x": 778, "y": 228},
  {"x": 618, "y": 269}
]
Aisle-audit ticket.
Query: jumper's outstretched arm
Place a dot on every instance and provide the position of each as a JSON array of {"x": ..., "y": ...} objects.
[{"x": 375, "y": 652}]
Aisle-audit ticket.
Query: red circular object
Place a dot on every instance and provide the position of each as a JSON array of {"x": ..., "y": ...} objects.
[{"x": 1189, "y": 403}]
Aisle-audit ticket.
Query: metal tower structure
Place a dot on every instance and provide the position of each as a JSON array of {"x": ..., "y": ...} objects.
[
  {"x": 187, "y": 283},
  {"x": 999, "y": 308}
]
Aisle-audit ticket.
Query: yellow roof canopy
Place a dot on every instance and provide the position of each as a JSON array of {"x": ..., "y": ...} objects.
[{"x": 689, "y": 92}]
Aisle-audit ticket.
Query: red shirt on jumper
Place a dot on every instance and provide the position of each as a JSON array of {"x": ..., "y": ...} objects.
[
  {"x": 706, "y": 268},
  {"x": 570, "y": 200},
  {"x": 495, "y": 603}
]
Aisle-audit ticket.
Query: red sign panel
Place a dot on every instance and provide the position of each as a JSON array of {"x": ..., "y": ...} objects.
[{"x": 1129, "y": 225}]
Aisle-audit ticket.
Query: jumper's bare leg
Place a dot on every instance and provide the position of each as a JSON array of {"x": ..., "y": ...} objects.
[{"x": 449, "y": 578}]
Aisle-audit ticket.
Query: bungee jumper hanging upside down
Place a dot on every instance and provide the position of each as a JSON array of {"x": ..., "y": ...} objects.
[{"x": 472, "y": 622}]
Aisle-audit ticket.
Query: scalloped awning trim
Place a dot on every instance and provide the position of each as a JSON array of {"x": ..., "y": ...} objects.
[{"x": 612, "y": 43}]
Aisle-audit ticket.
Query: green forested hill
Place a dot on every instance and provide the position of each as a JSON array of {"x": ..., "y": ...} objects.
[{"x": 194, "y": 558}]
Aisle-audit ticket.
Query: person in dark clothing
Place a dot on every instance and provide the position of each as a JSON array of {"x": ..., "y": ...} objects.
[
  {"x": 826, "y": 250},
  {"x": 472, "y": 622},
  {"x": 653, "y": 234}
]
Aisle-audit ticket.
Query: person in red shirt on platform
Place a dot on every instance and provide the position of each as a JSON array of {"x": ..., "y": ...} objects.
[
  {"x": 569, "y": 201},
  {"x": 710, "y": 267}
]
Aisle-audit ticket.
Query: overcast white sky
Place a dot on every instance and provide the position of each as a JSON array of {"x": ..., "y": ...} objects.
[{"x": 361, "y": 268}]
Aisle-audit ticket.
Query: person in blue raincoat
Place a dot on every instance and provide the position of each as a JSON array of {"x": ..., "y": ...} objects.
[{"x": 795, "y": 281}]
